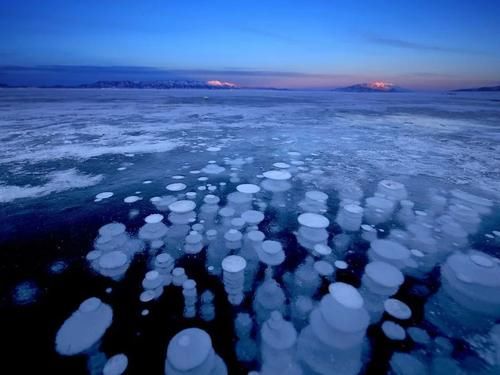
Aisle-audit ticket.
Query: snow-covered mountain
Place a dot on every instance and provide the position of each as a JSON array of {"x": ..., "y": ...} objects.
[
  {"x": 377, "y": 86},
  {"x": 169, "y": 84}
]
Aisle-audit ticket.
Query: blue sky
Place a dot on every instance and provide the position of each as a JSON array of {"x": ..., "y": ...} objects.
[{"x": 438, "y": 44}]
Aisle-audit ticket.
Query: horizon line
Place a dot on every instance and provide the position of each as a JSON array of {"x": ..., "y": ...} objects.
[{"x": 71, "y": 75}]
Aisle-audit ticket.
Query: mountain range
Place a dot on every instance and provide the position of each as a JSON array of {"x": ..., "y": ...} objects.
[
  {"x": 126, "y": 84},
  {"x": 481, "y": 89},
  {"x": 376, "y": 86}
]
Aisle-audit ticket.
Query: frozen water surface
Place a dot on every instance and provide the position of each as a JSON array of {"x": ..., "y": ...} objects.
[{"x": 258, "y": 231}]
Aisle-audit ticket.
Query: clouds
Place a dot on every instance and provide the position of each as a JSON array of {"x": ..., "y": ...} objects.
[{"x": 417, "y": 46}]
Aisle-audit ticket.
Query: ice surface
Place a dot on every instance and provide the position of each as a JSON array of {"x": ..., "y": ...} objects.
[
  {"x": 328, "y": 180},
  {"x": 55, "y": 182}
]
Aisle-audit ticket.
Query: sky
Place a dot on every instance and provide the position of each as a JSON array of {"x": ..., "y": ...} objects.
[{"x": 313, "y": 44}]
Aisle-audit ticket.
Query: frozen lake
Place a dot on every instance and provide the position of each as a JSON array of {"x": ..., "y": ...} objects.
[{"x": 428, "y": 163}]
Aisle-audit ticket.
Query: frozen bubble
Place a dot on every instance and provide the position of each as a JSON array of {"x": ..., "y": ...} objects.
[
  {"x": 281, "y": 165},
  {"x": 481, "y": 260},
  {"x": 322, "y": 249},
  {"x": 188, "y": 349},
  {"x": 417, "y": 253},
  {"x": 112, "y": 229},
  {"x": 213, "y": 149},
  {"x": 182, "y": 207},
  {"x": 233, "y": 263},
  {"x": 104, "y": 195},
  {"x": 271, "y": 253},
  {"x": 256, "y": 236},
  {"x": 84, "y": 328},
  {"x": 323, "y": 268},
  {"x": 178, "y": 177},
  {"x": 397, "y": 309},
  {"x": 189, "y": 284},
  {"x": 153, "y": 219},
  {"x": 346, "y": 295},
  {"x": 25, "y": 293},
  {"x": 193, "y": 238},
  {"x": 384, "y": 274},
  {"x": 272, "y": 247},
  {"x": 392, "y": 189},
  {"x": 113, "y": 259},
  {"x": 226, "y": 212},
  {"x": 58, "y": 267},
  {"x": 393, "y": 331},
  {"x": 233, "y": 235},
  {"x": 116, "y": 365},
  {"x": 147, "y": 296},
  {"x": 238, "y": 222},
  {"x": 93, "y": 255},
  {"x": 132, "y": 199},
  {"x": 178, "y": 271},
  {"x": 353, "y": 209},
  {"x": 312, "y": 220},
  {"x": 390, "y": 250},
  {"x": 278, "y": 333},
  {"x": 152, "y": 275},
  {"x": 316, "y": 195},
  {"x": 419, "y": 335},
  {"x": 211, "y": 233},
  {"x": 147, "y": 182},
  {"x": 156, "y": 244},
  {"x": 178, "y": 186},
  {"x": 133, "y": 213},
  {"x": 211, "y": 199},
  {"x": 248, "y": 188},
  {"x": 340, "y": 264},
  {"x": 202, "y": 178},
  {"x": 252, "y": 217},
  {"x": 277, "y": 175},
  {"x": 213, "y": 169}
]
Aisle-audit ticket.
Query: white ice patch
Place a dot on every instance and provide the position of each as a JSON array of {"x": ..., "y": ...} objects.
[{"x": 56, "y": 182}]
